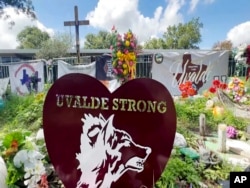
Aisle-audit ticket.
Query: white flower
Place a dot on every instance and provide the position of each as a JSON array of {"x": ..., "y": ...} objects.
[
  {"x": 20, "y": 157},
  {"x": 39, "y": 168},
  {"x": 29, "y": 173},
  {"x": 32, "y": 182},
  {"x": 31, "y": 161},
  {"x": 209, "y": 103},
  {"x": 243, "y": 99},
  {"x": 27, "y": 158}
]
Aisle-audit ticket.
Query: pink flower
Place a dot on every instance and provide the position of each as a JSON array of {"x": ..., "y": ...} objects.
[
  {"x": 131, "y": 63},
  {"x": 115, "y": 71},
  {"x": 231, "y": 132},
  {"x": 120, "y": 71}
]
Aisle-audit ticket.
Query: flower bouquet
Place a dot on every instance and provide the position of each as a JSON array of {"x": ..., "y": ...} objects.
[
  {"x": 236, "y": 88},
  {"x": 187, "y": 89},
  {"x": 217, "y": 85},
  {"x": 124, "y": 52}
]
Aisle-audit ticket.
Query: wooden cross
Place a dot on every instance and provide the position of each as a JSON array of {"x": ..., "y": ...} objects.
[{"x": 76, "y": 23}]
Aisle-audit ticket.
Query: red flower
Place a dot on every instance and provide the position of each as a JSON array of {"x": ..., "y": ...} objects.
[
  {"x": 223, "y": 86},
  {"x": 189, "y": 83},
  {"x": 187, "y": 89},
  {"x": 184, "y": 94},
  {"x": 191, "y": 91},
  {"x": 216, "y": 83},
  {"x": 182, "y": 87},
  {"x": 212, "y": 89}
]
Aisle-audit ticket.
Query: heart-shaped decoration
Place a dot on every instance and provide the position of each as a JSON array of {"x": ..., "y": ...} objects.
[{"x": 100, "y": 139}]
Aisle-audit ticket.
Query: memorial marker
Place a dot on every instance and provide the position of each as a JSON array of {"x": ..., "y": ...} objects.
[
  {"x": 100, "y": 139},
  {"x": 76, "y": 23}
]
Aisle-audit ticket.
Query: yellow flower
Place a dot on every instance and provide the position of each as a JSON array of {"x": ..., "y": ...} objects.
[
  {"x": 39, "y": 97},
  {"x": 241, "y": 84},
  {"x": 119, "y": 54},
  {"x": 132, "y": 56},
  {"x": 127, "y": 43},
  {"x": 230, "y": 85},
  {"x": 129, "y": 35},
  {"x": 114, "y": 63},
  {"x": 124, "y": 65},
  {"x": 125, "y": 72}
]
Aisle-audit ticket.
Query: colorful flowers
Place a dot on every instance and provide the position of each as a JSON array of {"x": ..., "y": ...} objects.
[
  {"x": 24, "y": 160},
  {"x": 187, "y": 89},
  {"x": 231, "y": 132},
  {"x": 217, "y": 84},
  {"x": 236, "y": 88},
  {"x": 124, "y": 52}
]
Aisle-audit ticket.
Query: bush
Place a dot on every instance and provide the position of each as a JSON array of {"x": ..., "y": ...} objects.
[{"x": 180, "y": 170}]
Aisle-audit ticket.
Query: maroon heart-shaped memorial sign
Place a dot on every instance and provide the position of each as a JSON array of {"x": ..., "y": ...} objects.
[{"x": 98, "y": 139}]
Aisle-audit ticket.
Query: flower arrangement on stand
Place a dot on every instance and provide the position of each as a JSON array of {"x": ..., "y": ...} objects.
[
  {"x": 236, "y": 89},
  {"x": 124, "y": 52}
]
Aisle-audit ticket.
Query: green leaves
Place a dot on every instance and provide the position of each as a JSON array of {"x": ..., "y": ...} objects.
[
  {"x": 181, "y": 36},
  {"x": 17, "y": 136},
  {"x": 101, "y": 40},
  {"x": 32, "y": 38},
  {"x": 179, "y": 170},
  {"x": 14, "y": 174}
]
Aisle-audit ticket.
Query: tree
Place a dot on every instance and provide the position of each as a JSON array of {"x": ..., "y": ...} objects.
[
  {"x": 102, "y": 40},
  {"x": 154, "y": 43},
  {"x": 31, "y": 38},
  {"x": 223, "y": 45},
  {"x": 24, "y": 6},
  {"x": 183, "y": 36},
  {"x": 55, "y": 47}
]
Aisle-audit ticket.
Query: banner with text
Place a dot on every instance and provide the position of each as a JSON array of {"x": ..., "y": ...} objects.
[
  {"x": 201, "y": 67},
  {"x": 26, "y": 77},
  {"x": 66, "y": 68},
  {"x": 104, "y": 72}
]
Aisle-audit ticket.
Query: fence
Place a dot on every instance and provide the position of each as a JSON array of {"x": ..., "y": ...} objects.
[
  {"x": 143, "y": 67},
  {"x": 237, "y": 68}
]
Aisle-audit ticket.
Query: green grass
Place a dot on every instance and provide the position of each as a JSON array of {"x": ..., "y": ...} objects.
[{"x": 21, "y": 113}]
